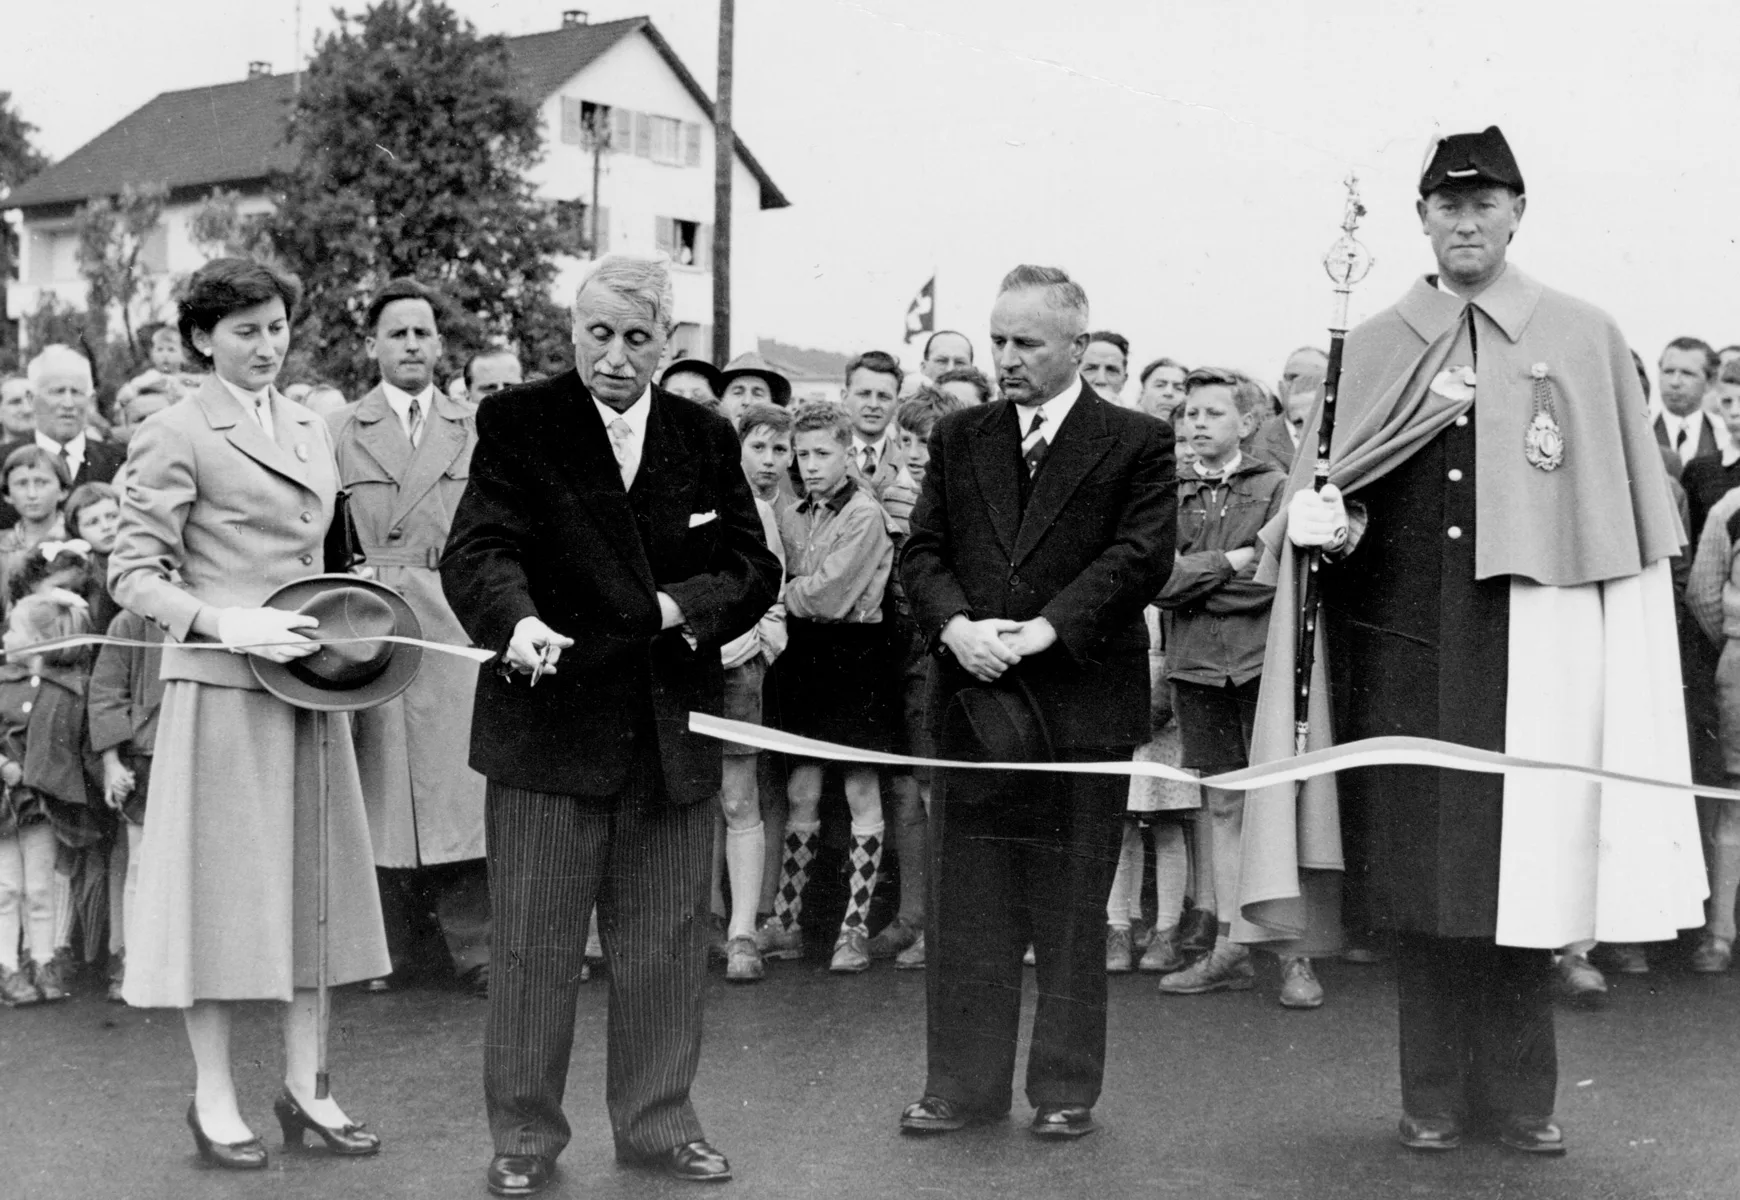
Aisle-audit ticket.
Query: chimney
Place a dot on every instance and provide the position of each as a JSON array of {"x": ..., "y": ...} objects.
[
  {"x": 573, "y": 18},
  {"x": 259, "y": 68}
]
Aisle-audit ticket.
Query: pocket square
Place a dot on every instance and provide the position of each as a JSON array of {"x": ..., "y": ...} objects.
[{"x": 702, "y": 518}]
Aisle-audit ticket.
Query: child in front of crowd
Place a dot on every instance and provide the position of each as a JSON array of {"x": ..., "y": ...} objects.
[
  {"x": 124, "y": 697},
  {"x": 44, "y": 797},
  {"x": 833, "y": 679},
  {"x": 764, "y": 434},
  {"x": 36, "y": 482},
  {"x": 93, "y": 516},
  {"x": 1220, "y": 622},
  {"x": 902, "y": 939}
]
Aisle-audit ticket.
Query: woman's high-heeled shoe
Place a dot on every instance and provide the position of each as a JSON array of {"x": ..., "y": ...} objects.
[
  {"x": 352, "y": 1140},
  {"x": 237, "y": 1156}
]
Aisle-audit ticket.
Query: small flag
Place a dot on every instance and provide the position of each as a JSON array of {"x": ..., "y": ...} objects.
[{"x": 921, "y": 313}]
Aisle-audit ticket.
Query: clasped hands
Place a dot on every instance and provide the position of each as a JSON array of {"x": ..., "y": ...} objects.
[{"x": 990, "y": 647}]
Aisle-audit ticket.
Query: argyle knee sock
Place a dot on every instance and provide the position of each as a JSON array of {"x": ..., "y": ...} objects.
[
  {"x": 866, "y": 861},
  {"x": 794, "y": 872}
]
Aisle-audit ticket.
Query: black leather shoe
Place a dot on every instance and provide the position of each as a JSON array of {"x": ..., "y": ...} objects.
[
  {"x": 933, "y": 1114},
  {"x": 1431, "y": 1134},
  {"x": 1063, "y": 1121},
  {"x": 235, "y": 1156},
  {"x": 1531, "y": 1135},
  {"x": 519, "y": 1174},
  {"x": 693, "y": 1162},
  {"x": 352, "y": 1140}
]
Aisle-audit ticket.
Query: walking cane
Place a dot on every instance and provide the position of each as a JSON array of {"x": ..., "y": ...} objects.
[
  {"x": 1347, "y": 263},
  {"x": 323, "y": 805}
]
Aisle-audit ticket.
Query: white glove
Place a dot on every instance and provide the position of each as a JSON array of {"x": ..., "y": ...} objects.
[
  {"x": 1317, "y": 518},
  {"x": 267, "y": 633}
]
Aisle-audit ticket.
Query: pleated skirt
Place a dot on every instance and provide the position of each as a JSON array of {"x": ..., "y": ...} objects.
[{"x": 228, "y": 889}]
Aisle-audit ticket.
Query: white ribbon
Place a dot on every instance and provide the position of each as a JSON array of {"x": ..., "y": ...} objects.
[{"x": 102, "y": 639}]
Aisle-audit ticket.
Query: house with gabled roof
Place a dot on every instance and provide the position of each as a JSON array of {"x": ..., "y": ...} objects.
[{"x": 617, "y": 104}]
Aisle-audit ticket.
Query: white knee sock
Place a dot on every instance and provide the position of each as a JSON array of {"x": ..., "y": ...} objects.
[
  {"x": 744, "y": 862},
  {"x": 1125, "y": 900},
  {"x": 1171, "y": 869},
  {"x": 11, "y": 901}
]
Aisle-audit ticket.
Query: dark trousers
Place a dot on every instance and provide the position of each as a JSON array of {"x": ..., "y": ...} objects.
[
  {"x": 1028, "y": 858},
  {"x": 646, "y": 863},
  {"x": 1477, "y": 1029},
  {"x": 435, "y": 914}
]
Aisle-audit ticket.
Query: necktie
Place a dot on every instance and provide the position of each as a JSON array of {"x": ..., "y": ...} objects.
[
  {"x": 869, "y": 462},
  {"x": 1680, "y": 441},
  {"x": 1033, "y": 446},
  {"x": 416, "y": 421},
  {"x": 67, "y": 462},
  {"x": 620, "y": 433}
]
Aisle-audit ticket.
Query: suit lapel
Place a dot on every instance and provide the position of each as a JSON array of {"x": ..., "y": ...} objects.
[
  {"x": 1081, "y": 442},
  {"x": 996, "y": 449},
  {"x": 224, "y": 412},
  {"x": 584, "y": 448},
  {"x": 444, "y": 437},
  {"x": 662, "y": 483},
  {"x": 381, "y": 436}
]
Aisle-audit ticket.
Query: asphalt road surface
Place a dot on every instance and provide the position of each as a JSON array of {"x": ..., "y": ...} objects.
[{"x": 804, "y": 1075}]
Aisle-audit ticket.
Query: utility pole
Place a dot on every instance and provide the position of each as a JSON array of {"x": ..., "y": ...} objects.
[
  {"x": 600, "y": 133},
  {"x": 724, "y": 160}
]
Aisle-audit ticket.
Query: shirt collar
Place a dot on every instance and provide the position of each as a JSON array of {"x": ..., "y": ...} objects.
[
  {"x": 74, "y": 448},
  {"x": 247, "y": 399},
  {"x": 859, "y": 445},
  {"x": 399, "y": 400},
  {"x": 836, "y": 501},
  {"x": 1055, "y": 409},
  {"x": 1226, "y": 472},
  {"x": 636, "y": 414}
]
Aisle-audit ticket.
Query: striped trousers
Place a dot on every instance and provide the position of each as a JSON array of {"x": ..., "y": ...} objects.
[{"x": 646, "y": 862}]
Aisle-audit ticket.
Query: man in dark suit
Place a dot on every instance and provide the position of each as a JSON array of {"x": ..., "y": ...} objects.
[
  {"x": 1046, "y": 522},
  {"x": 1687, "y": 370},
  {"x": 607, "y": 527},
  {"x": 61, "y": 387}
]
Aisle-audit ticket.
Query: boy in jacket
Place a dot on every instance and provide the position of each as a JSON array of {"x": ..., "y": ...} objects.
[{"x": 1220, "y": 622}]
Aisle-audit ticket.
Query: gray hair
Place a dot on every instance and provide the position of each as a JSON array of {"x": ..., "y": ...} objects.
[
  {"x": 1061, "y": 292},
  {"x": 646, "y": 280},
  {"x": 59, "y": 355}
]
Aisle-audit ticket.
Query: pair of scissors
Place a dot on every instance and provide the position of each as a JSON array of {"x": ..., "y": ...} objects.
[{"x": 542, "y": 665}]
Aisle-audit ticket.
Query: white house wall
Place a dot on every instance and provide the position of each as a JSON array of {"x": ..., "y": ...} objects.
[{"x": 635, "y": 191}]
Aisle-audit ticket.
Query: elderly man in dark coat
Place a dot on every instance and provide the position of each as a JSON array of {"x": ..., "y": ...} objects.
[{"x": 607, "y": 528}]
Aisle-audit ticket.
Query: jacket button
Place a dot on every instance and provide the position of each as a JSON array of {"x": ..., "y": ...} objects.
[
  {"x": 1455, "y": 475},
  {"x": 1455, "y": 531},
  {"x": 1460, "y": 421},
  {"x": 307, "y": 517},
  {"x": 25, "y": 706},
  {"x": 395, "y": 534},
  {"x": 307, "y": 559}
]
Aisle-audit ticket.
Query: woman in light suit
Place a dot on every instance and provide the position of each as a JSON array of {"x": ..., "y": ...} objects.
[{"x": 232, "y": 488}]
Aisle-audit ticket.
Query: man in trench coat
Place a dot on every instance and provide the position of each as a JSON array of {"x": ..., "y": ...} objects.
[{"x": 404, "y": 452}]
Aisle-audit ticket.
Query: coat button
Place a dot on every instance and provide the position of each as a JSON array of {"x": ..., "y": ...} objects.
[
  {"x": 1460, "y": 421},
  {"x": 1455, "y": 475},
  {"x": 1455, "y": 531},
  {"x": 307, "y": 517},
  {"x": 395, "y": 534},
  {"x": 307, "y": 559},
  {"x": 25, "y": 706}
]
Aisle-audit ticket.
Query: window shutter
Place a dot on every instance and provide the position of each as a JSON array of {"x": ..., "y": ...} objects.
[
  {"x": 621, "y": 129},
  {"x": 665, "y": 236},
  {"x": 691, "y": 144},
  {"x": 572, "y": 131},
  {"x": 642, "y": 135},
  {"x": 704, "y": 248}
]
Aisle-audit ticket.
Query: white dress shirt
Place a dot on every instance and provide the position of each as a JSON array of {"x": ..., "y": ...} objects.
[
  {"x": 859, "y": 445},
  {"x": 1692, "y": 424},
  {"x": 258, "y": 404},
  {"x": 400, "y": 402},
  {"x": 1055, "y": 410},
  {"x": 637, "y": 415},
  {"x": 73, "y": 450}
]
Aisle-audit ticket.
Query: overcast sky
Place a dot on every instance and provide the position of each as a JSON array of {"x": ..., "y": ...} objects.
[{"x": 1182, "y": 158}]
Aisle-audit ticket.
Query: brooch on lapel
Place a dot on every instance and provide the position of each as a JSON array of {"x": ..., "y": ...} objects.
[{"x": 1543, "y": 444}]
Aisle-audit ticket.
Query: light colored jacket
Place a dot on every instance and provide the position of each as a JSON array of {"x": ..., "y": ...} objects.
[
  {"x": 425, "y": 803},
  {"x": 1713, "y": 590},
  {"x": 236, "y": 513}
]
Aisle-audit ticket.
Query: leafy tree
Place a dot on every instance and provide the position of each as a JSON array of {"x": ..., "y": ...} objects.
[
  {"x": 413, "y": 139},
  {"x": 219, "y": 228},
  {"x": 19, "y": 160},
  {"x": 112, "y": 235}
]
